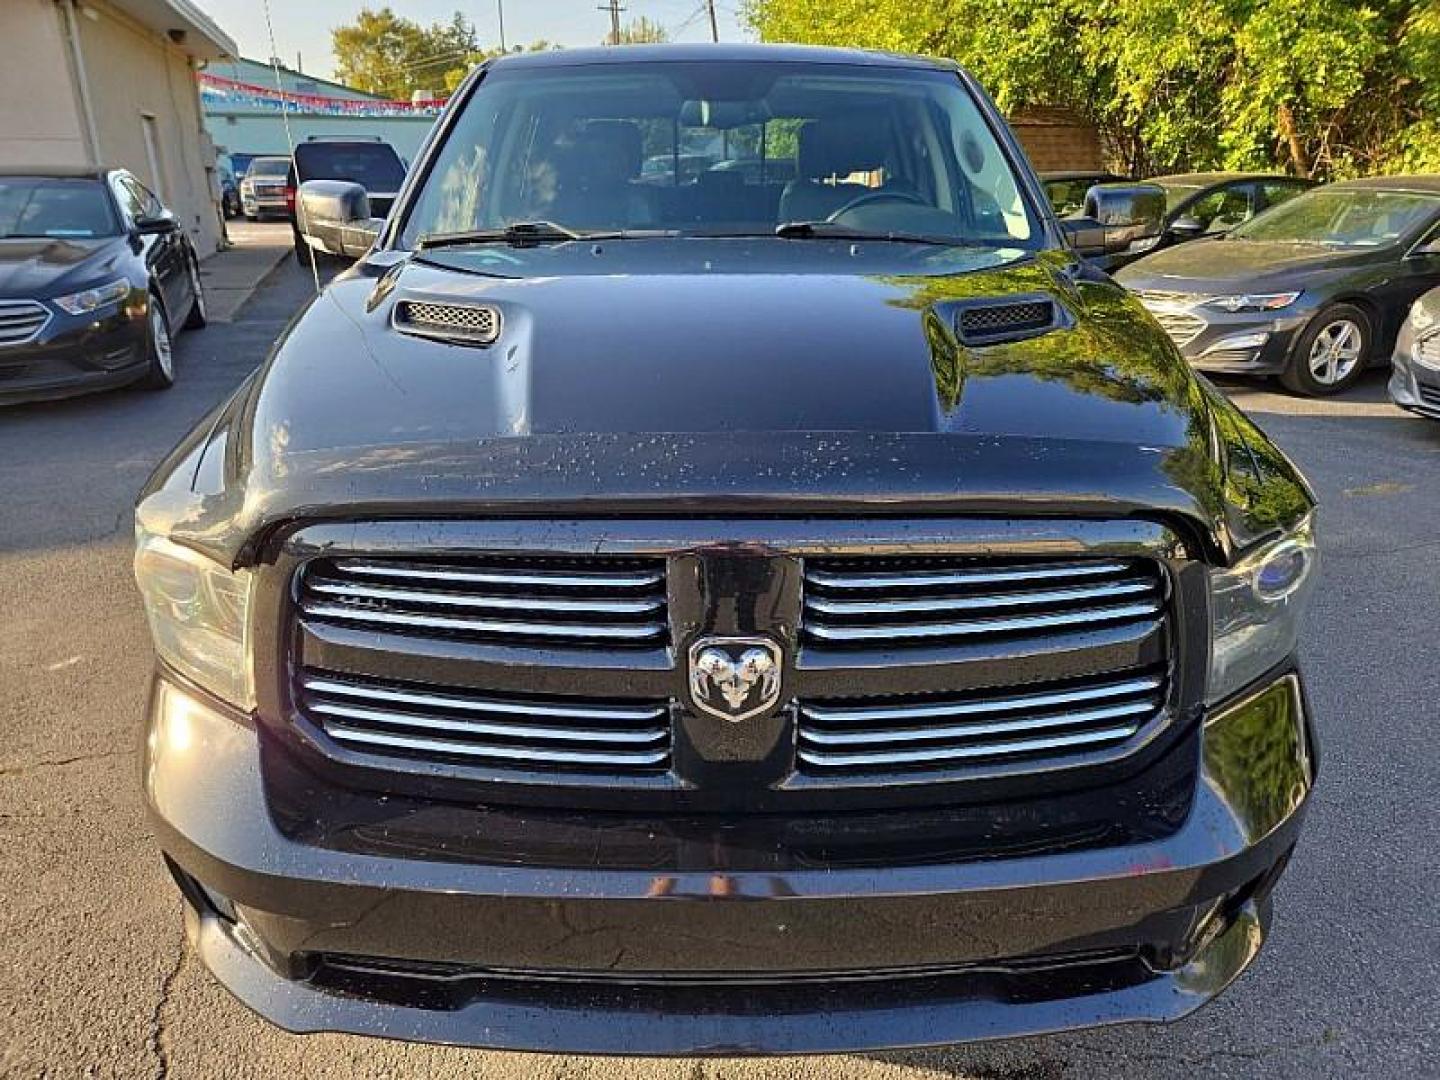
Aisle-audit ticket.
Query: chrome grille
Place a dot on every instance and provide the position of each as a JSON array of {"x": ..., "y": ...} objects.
[
  {"x": 452, "y": 725},
  {"x": 895, "y": 602},
  {"x": 937, "y": 732},
  {"x": 21, "y": 321},
  {"x": 472, "y": 324},
  {"x": 558, "y": 601},
  {"x": 1173, "y": 312}
]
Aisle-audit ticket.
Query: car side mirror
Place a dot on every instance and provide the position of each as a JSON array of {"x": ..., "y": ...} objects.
[
  {"x": 1133, "y": 215},
  {"x": 158, "y": 225},
  {"x": 337, "y": 213},
  {"x": 1186, "y": 228}
]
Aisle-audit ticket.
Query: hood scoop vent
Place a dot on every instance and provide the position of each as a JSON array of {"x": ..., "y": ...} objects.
[
  {"x": 990, "y": 322},
  {"x": 461, "y": 324}
]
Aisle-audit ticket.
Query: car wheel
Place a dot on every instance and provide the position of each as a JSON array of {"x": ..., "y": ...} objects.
[
  {"x": 198, "y": 316},
  {"x": 160, "y": 372},
  {"x": 1330, "y": 355}
]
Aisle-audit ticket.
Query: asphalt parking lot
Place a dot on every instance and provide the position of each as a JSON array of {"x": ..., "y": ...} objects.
[{"x": 96, "y": 979}]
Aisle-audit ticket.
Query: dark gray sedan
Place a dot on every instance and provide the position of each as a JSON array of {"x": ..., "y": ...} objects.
[{"x": 1313, "y": 291}]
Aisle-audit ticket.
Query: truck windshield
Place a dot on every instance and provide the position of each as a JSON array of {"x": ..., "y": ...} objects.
[
  {"x": 60, "y": 208},
  {"x": 725, "y": 148}
]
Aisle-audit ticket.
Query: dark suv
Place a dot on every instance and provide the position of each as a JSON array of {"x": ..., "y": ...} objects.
[
  {"x": 372, "y": 164},
  {"x": 761, "y": 611}
]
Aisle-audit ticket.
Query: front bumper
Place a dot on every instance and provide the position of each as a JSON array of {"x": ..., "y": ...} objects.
[
  {"x": 678, "y": 954},
  {"x": 76, "y": 355},
  {"x": 1413, "y": 386},
  {"x": 1245, "y": 343}
]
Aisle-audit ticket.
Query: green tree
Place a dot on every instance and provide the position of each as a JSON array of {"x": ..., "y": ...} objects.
[
  {"x": 641, "y": 31},
  {"x": 386, "y": 54},
  {"x": 1317, "y": 87}
]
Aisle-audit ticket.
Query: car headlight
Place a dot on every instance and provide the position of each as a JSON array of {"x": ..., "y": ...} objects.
[
  {"x": 1426, "y": 351},
  {"x": 1255, "y": 609},
  {"x": 1253, "y": 302},
  {"x": 199, "y": 614},
  {"x": 88, "y": 300}
]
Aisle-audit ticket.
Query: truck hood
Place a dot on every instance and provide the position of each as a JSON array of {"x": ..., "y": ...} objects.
[{"x": 686, "y": 376}]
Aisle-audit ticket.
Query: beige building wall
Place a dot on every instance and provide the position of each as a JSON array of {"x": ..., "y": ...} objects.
[
  {"x": 147, "y": 114},
  {"x": 41, "y": 124},
  {"x": 143, "y": 101}
]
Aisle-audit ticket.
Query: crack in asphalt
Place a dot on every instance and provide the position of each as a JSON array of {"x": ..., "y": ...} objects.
[
  {"x": 155, "y": 1043},
  {"x": 55, "y": 763}
]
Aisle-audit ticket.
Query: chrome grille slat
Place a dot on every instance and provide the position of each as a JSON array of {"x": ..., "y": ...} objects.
[
  {"x": 917, "y": 712},
  {"x": 476, "y": 727},
  {"x": 444, "y": 723},
  {"x": 527, "y": 755},
  {"x": 937, "y": 755},
  {"x": 919, "y": 731},
  {"x": 1055, "y": 621},
  {"x": 606, "y": 580},
  {"x": 574, "y": 601},
  {"x": 21, "y": 321},
  {"x": 609, "y": 713},
  {"x": 976, "y": 603},
  {"x": 899, "y": 601},
  {"x": 498, "y": 603},
  {"x": 639, "y": 632},
  {"x": 958, "y": 731},
  {"x": 937, "y": 578}
]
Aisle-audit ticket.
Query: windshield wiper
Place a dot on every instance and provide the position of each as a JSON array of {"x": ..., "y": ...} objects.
[
  {"x": 518, "y": 232},
  {"x": 826, "y": 230},
  {"x": 526, "y": 233}
]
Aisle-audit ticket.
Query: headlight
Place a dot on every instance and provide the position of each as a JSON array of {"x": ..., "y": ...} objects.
[
  {"x": 1426, "y": 351},
  {"x": 82, "y": 303},
  {"x": 1255, "y": 609},
  {"x": 1253, "y": 302},
  {"x": 199, "y": 616}
]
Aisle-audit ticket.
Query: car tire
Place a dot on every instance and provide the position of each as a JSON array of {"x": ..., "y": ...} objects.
[
  {"x": 1331, "y": 353},
  {"x": 159, "y": 349},
  {"x": 197, "y": 317}
]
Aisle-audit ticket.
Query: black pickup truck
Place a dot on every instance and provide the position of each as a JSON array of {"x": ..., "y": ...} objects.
[{"x": 735, "y": 609}]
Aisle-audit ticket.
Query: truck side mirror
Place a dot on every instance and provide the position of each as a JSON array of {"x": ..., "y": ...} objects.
[{"x": 337, "y": 213}]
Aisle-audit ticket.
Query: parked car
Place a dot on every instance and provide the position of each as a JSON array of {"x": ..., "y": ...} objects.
[
  {"x": 1203, "y": 204},
  {"x": 602, "y": 625},
  {"x": 1066, "y": 190},
  {"x": 262, "y": 191},
  {"x": 1312, "y": 291},
  {"x": 1415, "y": 380},
  {"x": 96, "y": 277},
  {"x": 372, "y": 164}
]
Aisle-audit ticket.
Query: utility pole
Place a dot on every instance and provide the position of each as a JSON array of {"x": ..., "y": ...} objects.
[
  {"x": 714, "y": 26},
  {"x": 615, "y": 9},
  {"x": 500, "y": 7}
]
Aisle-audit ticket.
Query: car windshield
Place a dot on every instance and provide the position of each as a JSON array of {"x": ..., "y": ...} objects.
[
  {"x": 269, "y": 167},
  {"x": 63, "y": 208},
  {"x": 1345, "y": 217},
  {"x": 1175, "y": 194},
  {"x": 374, "y": 166},
  {"x": 726, "y": 148}
]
